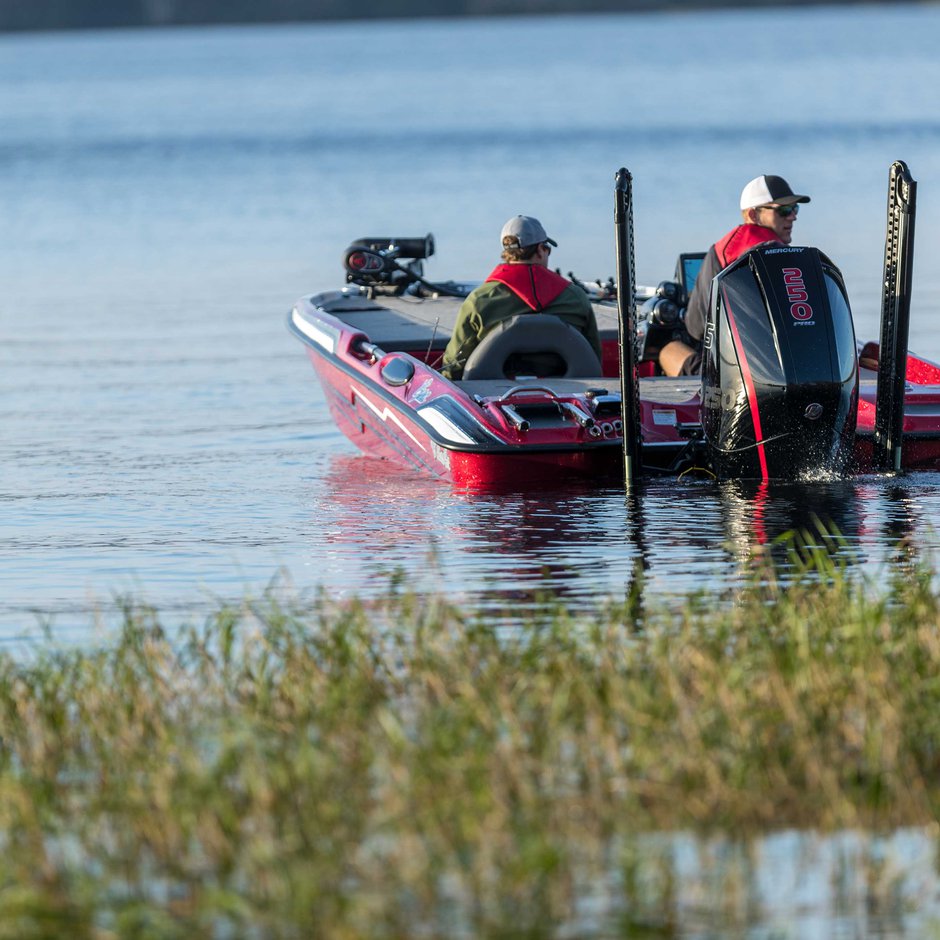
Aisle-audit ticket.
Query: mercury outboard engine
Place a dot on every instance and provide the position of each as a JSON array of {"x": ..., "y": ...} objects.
[{"x": 780, "y": 369}]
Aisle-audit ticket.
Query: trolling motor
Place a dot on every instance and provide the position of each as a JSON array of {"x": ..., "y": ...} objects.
[
  {"x": 780, "y": 369},
  {"x": 394, "y": 265},
  {"x": 387, "y": 262}
]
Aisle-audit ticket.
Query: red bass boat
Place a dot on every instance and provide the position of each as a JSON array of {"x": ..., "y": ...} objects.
[{"x": 786, "y": 391}]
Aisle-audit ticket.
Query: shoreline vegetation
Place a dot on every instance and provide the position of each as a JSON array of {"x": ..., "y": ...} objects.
[
  {"x": 404, "y": 768},
  {"x": 16, "y": 16}
]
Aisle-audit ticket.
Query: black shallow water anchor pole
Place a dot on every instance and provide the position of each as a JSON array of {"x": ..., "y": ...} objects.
[
  {"x": 895, "y": 317},
  {"x": 626, "y": 320}
]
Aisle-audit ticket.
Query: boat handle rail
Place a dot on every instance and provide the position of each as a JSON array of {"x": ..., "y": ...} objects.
[{"x": 517, "y": 389}]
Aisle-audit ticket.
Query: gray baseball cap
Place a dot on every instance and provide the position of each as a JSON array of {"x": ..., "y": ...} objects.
[{"x": 526, "y": 230}]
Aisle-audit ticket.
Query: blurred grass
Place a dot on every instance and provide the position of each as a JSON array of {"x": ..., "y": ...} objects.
[{"x": 404, "y": 769}]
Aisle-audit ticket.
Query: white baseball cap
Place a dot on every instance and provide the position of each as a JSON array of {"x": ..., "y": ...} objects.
[{"x": 764, "y": 190}]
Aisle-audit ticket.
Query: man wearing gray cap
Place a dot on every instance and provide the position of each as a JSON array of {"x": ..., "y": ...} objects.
[
  {"x": 769, "y": 208},
  {"x": 522, "y": 284}
]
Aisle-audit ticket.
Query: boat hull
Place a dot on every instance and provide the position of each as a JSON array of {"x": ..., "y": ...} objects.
[
  {"x": 431, "y": 426},
  {"x": 396, "y": 406}
]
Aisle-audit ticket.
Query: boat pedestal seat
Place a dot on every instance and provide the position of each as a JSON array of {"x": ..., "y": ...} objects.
[{"x": 532, "y": 335}]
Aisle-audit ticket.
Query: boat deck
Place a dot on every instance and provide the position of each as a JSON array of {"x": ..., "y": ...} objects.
[
  {"x": 660, "y": 389},
  {"x": 419, "y": 325},
  {"x": 415, "y": 324}
]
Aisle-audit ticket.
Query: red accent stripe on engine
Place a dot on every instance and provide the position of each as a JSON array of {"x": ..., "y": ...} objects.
[{"x": 751, "y": 391}]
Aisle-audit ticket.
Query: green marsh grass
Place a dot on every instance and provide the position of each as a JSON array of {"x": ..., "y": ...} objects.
[{"x": 405, "y": 769}]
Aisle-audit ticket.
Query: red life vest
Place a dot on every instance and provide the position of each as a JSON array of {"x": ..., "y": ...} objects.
[
  {"x": 742, "y": 239},
  {"x": 533, "y": 284}
]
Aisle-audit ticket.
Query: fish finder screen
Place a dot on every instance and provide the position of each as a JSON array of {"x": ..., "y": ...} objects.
[{"x": 688, "y": 270}]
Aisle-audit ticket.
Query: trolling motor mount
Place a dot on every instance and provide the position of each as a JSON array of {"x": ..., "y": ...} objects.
[{"x": 387, "y": 262}]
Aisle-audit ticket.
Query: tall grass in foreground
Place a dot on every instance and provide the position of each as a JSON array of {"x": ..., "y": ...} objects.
[{"x": 402, "y": 769}]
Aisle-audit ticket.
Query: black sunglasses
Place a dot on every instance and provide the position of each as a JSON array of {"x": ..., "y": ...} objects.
[{"x": 784, "y": 211}]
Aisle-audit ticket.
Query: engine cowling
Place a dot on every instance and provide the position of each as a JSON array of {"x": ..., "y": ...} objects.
[{"x": 779, "y": 369}]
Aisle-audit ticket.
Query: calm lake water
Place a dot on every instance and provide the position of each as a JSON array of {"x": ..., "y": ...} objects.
[{"x": 166, "y": 195}]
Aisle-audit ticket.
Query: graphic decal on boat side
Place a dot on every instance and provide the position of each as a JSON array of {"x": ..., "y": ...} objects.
[
  {"x": 441, "y": 454},
  {"x": 383, "y": 413},
  {"x": 424, "y": 392},
  {"x": 321, "y": 335}
]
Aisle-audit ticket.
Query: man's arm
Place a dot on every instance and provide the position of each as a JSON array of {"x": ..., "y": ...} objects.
[
  {"x": 463, "y": 340},
  {"x": 697, "y": 311}
]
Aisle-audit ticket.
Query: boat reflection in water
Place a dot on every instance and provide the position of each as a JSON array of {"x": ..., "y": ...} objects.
[
  {"x": 869, "y": 521},
  {"x": 505, "y": 551},
  {"x": 787, "y": 523}
]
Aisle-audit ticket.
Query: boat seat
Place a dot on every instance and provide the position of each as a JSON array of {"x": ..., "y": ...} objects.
[{"x": 532, "y": 334}]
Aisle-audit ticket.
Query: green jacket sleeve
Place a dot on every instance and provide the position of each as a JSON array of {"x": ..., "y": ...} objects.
[{"x": 464, "y": 340}]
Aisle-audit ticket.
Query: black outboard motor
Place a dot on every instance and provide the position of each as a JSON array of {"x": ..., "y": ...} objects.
[{"x": 780, "y": 369}]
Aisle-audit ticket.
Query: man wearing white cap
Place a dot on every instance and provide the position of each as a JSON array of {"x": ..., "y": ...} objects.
[
  {"x": 769, "y": 208},
  {"x": 523, "y": 283}
]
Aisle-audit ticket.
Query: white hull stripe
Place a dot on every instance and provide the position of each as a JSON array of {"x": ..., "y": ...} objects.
[
  {"x": 317, "y": 335},
  {"x": 444, "y": 426}
]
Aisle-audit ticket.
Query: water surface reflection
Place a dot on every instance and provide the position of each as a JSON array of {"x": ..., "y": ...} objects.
[
  {"x": 790, "y": 884},
  {"x": 498, "y": 548}
]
